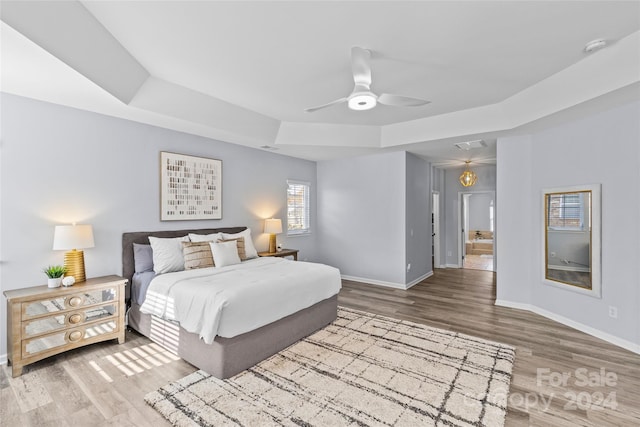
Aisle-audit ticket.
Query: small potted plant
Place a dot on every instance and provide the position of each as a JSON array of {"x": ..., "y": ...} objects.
[{"x": 55, "y": 273}]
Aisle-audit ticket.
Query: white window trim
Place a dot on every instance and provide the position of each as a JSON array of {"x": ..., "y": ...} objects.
[{"x": 299, "y": 233}]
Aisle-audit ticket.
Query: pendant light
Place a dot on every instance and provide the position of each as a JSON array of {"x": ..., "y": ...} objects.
[{"x": 468, "y": 177}]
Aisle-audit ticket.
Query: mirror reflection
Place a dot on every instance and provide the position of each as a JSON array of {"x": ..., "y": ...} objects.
[{"x": 568, "y": 238}]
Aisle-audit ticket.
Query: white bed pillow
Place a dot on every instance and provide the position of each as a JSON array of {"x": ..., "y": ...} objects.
[
  {"x": 248, "y": 242},
  {"x": 167, "y": 254},
  {"x": 225, "y": 253},
  {"x": 205, "y": 237}
]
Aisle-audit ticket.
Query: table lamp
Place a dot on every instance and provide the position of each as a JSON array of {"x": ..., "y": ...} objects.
[
  {"x": 71, "y": 238},
  {"x": 273, "y": 227}
]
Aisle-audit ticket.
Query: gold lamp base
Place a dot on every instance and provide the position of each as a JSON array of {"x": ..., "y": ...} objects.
[
  {"x": 272, "y": 243},
  {"x": 74, "y": 262}
]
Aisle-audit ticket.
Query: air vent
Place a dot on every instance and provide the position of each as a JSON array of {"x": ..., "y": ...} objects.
[
  {"x": 471, "y": 145},
  {"x": 268, "y": 147}
]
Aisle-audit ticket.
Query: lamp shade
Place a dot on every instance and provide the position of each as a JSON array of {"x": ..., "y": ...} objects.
[
  {"x": 67, "y": 237},
  {"x": 273, "y": 226}
]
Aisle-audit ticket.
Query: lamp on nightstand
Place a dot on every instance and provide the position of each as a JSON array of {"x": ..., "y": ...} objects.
[
  {"x": 273, "y": 227},
  {"x": 72, "y": 238}
]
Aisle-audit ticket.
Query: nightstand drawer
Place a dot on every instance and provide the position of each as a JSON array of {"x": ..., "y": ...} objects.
[
  {"x": 34, "y": 346},
  {"x": 51, "y": 306},
  {"x": 45, "y": 325}
]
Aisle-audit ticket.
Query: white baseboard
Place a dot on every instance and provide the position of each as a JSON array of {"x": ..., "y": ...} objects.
[
  {"x": 452, "y": 266},
  {"x": 387, "y": 284},
  {"x": 628, "y": 345},
  {"x": 3, "y": 359},
  {"x": 419, "y": 279}
]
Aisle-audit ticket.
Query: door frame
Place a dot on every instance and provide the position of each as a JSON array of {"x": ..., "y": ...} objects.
[
  {"x": 435, "y": 211},
  {"x": 460, "y": 234}
]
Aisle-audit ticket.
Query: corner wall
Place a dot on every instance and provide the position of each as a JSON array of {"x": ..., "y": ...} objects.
[
  {"x": 601, "y": 149},
  {"x": 368, "y": 207},
  {"x": 418, "y": 219},
  {"x": 361, "y": 207}
]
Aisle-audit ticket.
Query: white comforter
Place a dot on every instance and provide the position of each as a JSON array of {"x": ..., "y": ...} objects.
[{"x": 232, "y": 300}]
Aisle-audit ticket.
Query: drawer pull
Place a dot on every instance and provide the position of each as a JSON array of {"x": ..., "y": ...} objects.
[
  {"x": 75, "y": 301},
  {"x": 75, "y": 336},
  {"x": 75, "y": 318}
]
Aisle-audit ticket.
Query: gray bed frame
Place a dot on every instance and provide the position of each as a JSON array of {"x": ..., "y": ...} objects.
[{"x": 225, "y": 357}]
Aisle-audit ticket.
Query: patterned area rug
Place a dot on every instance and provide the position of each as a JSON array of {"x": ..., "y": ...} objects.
[{"x": 364, "y": 370}]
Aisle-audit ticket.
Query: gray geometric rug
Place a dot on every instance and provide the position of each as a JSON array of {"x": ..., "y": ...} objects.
[{"x": 364, "y": 370}]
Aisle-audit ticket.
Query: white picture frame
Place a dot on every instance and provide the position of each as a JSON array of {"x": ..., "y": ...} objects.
[{"x": 190, "y": 187}]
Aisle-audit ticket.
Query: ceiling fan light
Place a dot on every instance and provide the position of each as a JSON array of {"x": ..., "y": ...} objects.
[{"x": 362, "y": 102}]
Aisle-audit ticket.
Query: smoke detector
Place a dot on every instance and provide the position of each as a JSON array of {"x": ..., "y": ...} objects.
[{"x": 594, "y": 45}]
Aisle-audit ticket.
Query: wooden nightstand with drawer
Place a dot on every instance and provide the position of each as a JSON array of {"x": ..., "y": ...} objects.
[
  {"x": 42, "y": 321},
  {"x": 281, "y": 253}
]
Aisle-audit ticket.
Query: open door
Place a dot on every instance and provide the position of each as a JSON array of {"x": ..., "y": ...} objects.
[{"x": 435, "y": 230}]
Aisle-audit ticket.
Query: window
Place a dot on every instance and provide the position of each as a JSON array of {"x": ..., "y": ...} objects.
[
  {"x": 566, "y": 211},
  {"x": 298, "y": 207}
]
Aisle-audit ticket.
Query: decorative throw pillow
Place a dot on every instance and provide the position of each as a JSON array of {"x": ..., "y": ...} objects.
[
  {"x": 225, "y": 253},
  {"x": 248, "y": 243},
  {"x": 167, "y": 254},
  {"x": 241, "y": 249},
  {"x": 205, "y": 237},
  {"x": 142, "y": 258},
  {"x": 197, "y": 255}
]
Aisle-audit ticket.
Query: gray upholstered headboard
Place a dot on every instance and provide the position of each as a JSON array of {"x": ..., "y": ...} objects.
[{"x": 142, "y": 237}]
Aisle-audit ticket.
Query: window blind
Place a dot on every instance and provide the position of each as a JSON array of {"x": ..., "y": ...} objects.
[
  {"x": 298, "y": 207},
  {"x": 566, "y": 211}
]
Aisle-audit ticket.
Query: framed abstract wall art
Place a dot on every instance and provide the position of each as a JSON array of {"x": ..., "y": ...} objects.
[{"x": 190, "y": 187}]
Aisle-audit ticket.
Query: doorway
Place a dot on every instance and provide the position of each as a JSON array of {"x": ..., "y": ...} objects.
[
  {"x": 476, "y": 222},
  {"x": 435, "y": 230}
]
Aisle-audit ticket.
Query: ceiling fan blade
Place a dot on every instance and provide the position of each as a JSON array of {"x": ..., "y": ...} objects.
[
  {"x": 319, "y": 107},
  {"x": 401, "y": 101},
  {"x": 360, "y": 66}
]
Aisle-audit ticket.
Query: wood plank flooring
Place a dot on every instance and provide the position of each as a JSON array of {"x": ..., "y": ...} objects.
[
  {"x": 478, "y": 262},
  {"x": 104, "y": 384}
]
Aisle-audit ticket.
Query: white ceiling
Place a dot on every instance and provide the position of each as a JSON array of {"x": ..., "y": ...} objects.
[{"x": 244, "y": 71}]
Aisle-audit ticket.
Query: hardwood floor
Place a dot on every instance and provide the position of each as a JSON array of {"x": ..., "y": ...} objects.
[
  {"x": 462, "y": 300},
  {"x": 478, "y": 262},
  {"x": 104, "y": 384}
]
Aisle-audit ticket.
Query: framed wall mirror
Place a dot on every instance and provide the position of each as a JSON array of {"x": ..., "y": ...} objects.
[{"x": 572, "y": 238}]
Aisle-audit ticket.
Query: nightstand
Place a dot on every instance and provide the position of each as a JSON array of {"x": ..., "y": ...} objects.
[
  {"x": 281, "y": 254},
  {"x": 42, "y": 321}
]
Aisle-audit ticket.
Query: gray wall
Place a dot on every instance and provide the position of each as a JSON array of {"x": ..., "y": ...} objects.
[
  {"x": 600, "y": 149},
  {"x": 375, "y": 216},
  {"x": 60, "y": 165},
  {"x": 418, "y": 217},
  {"x": 572, "y": 246},
  {"x": 361, "y": 208},
  {"x": 479, "y": 211},
  {"x": 452, "y": 188}
]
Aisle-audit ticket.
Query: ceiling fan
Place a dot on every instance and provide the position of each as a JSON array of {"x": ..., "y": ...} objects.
[{"x": 361, "y": 98}]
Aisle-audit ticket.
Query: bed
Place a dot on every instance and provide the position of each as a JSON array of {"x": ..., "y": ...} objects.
[{"x": 224, "y": 356}]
